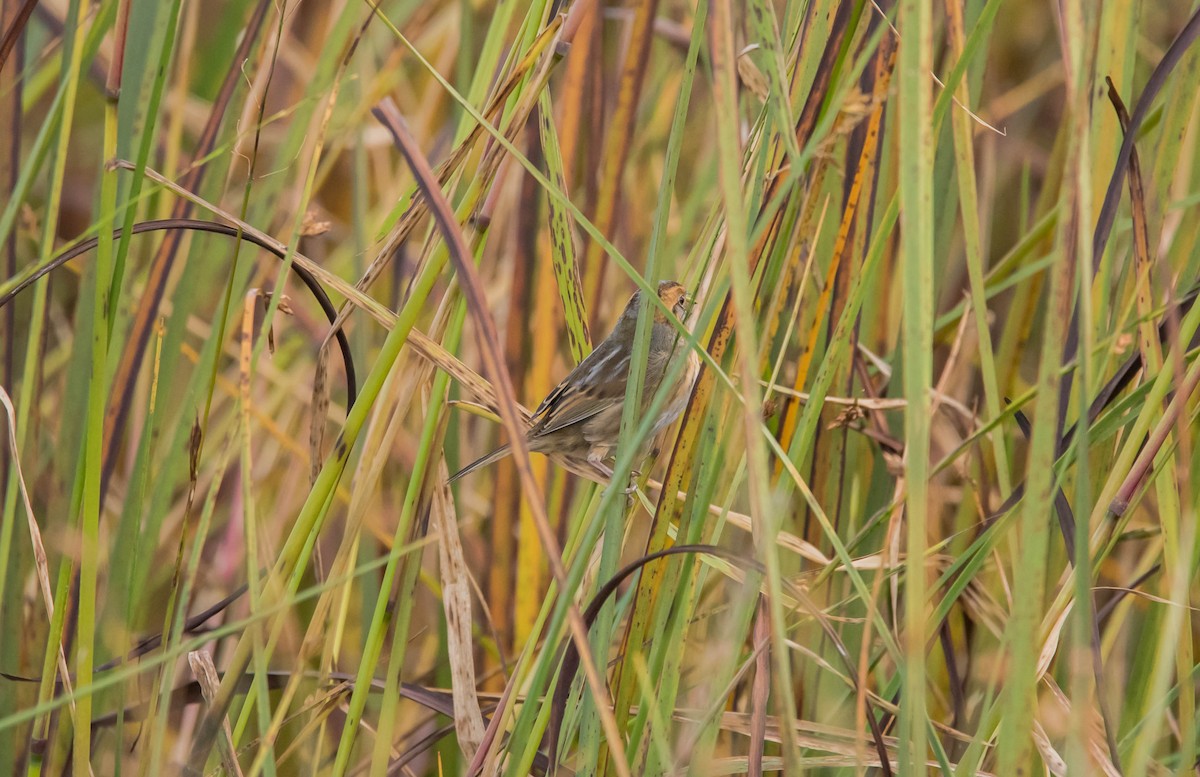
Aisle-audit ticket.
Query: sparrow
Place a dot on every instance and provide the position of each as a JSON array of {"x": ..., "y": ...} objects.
[{"x": 578, "y": 423}]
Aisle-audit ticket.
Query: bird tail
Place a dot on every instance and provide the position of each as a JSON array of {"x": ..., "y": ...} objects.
[{"x": 494, "y": 456}]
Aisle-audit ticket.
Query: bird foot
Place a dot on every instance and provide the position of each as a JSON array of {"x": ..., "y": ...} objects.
[
  {"x": 601, "y": 467},
  {"x": 607, "y": 471}
]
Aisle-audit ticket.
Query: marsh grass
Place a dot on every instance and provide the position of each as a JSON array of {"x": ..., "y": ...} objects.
[{"x": 930, "y": 507}]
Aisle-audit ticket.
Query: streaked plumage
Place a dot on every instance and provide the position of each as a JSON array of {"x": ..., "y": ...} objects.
[{"x": 578, "y": 423}]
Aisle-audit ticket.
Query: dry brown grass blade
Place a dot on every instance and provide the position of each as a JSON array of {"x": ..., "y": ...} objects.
[
  {"x": 206, "y": 676},
  {"x": 760, "y": 689},
  {"x": 1148, "y": 342},
  {"x": 472, "y": 382},
  {"x": 1096, "y": 745},
  {"x": 1158, "y": 437},
  {"x": 456, "y": 603},
  {"x": 41, "y": 566},
  {"x": 492, "y": 354}
]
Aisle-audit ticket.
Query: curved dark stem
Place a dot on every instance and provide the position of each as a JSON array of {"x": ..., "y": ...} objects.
[
  {"x": 1112, "y": 196},
  {"x": 1104, "y": 224},
  {"x": 197, "y": 225},
  {"x": 1116, "y": 384},
  {"x": 1125, "y": 374},
  {"x": 1103, "y": 613},
  {"x": 955, "y": 679},
  {"x": 570, "y": 663},
  {"x": 190, "y": 626},
  {"x": 411, "y": 753},
  {"x": 1066, "y": 516}
]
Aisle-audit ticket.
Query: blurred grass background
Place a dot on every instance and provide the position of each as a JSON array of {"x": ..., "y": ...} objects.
[{"x": 911, "y": 291}]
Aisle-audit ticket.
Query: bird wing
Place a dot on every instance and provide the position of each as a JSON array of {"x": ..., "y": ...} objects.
[{"x": 593, "y": 386}]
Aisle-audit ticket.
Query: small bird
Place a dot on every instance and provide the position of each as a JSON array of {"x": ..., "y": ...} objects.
[{"x": 578, "y": 423}]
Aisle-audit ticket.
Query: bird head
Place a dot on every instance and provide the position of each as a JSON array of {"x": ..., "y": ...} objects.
[{"x": 675, "y": 298}]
